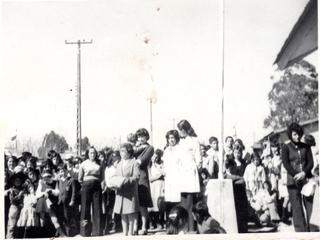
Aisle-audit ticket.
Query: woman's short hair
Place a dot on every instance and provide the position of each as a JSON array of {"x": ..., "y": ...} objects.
[
  {"x": 174, "y": 133},
  {"x": 113, "y": 157},
  {"x": 201, "y": 211},
  {"x": 178, "y": 218},
  {"x": 186, "y": 126},
  {"x": 294, "y": 127},
  {"x": 102, "y": 153},
  {"x": 228, "y": 138},
  {"x": 14, "y": 159},
  {"x": 240, "y": 143},
  {"x": 143, "y": 132},
  {"x": 238, "y": 148},
  {"x": 96, "y": 153},
  {"x": 129, "y": 148},
  {"x": 57, "y": 156},
  {"x": 213, "y": 139}
]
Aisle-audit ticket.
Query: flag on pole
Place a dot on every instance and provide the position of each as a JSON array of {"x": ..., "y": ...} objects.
[{"x": 14, "y": 138}]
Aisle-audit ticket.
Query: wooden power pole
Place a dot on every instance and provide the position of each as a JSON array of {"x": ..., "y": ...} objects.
[{"x": 78, "y": 92}]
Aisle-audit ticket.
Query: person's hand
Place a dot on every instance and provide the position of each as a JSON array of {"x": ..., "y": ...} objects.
[
  {"x": 103, "y": 186},
  {"x": 7, "y": 192},
  {"x": 138, "y": 161},
  {"x": 299, "y": 176},
  {"x": 71, "y": 204},
  {"x": 126, "y": 180}
]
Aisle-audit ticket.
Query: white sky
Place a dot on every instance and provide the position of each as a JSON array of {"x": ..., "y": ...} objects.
[{"x": 39, "y": 70}]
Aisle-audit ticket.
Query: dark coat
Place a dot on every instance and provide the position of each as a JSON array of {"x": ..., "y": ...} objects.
[
  {"x": 145, "y": 156},
  {"x": 296, "y": 158}
]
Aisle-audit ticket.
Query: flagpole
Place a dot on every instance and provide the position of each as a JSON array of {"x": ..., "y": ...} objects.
[{"x": 221, "y": 159}]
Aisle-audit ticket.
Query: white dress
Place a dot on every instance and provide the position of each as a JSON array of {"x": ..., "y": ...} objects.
[
  {"x": 157, "y": 186},
  {"x": 172, "y": 192},
  {"x": 28, "y": 216},
  {"x": 254, "y": 177},
  {"x": 189, "y": 154}
]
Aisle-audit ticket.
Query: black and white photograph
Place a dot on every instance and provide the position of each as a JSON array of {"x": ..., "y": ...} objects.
[{"x": 159, "y": 117}]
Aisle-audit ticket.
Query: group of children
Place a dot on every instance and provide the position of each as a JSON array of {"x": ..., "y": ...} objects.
[{"x": 40, "y": 202}]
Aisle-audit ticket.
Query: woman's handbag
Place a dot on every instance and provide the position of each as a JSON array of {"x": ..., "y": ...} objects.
[{"x": 116, "y": 182}]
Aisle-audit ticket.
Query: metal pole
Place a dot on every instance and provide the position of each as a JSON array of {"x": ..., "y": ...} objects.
[
  {"x": 221, "y": 160},
  {"x": 79, "y": 128},
  {"x": 79, "y": 102},
  {"x": 151, "y": 128}
]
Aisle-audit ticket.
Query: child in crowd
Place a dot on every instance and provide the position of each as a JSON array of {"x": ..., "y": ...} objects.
[
  {"x": 67, "y": 200},
  {"x": 273, "y": 168},
  {"x": 254, "y": 175},
  {"x": 47, "y": 194},
  {"x": 15, "y": 193},
  {"x": 110, "y": 171},
  {"x": 29, "y": 219},
  {"x": 156, "y": 177},
  {"x": 33, "y": 175},
  {"x": 178, "y": 221},
  {"x": 208, "y": 162},
  {"x": 205, "y": 223},
  {"x": 204, "y": 179},
  {"x": 264, "y": 203}
]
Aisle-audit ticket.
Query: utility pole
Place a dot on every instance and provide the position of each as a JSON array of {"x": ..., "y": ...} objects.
[
  {"x": 151, "y": 101},
  {"x": 78, "y": 92},
  {"x": 173, "y": 122}
]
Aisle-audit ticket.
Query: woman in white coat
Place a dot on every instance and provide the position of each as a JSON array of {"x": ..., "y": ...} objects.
[
  {"x": 189, "y": 153},
  {"x": 172, "y": 193}
]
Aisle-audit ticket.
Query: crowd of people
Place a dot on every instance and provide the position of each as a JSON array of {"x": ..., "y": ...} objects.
[{"x": 136, "y": 189}]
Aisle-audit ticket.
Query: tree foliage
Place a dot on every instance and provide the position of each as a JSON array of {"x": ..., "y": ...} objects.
[
  {"x": 294, "y": 98},
  {"x": 52, "y": 141}
]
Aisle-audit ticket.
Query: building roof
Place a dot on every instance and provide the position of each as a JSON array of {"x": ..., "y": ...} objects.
[
  {"x": 281, "y": 130},
  {"x": 303, "y": 38}
]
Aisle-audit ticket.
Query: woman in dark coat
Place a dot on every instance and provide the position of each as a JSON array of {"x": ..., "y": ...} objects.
[
  {"x": 235, "y": 167},
  {"x": 143, "y": 155},
  {"x": 298, "y": 161}
]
